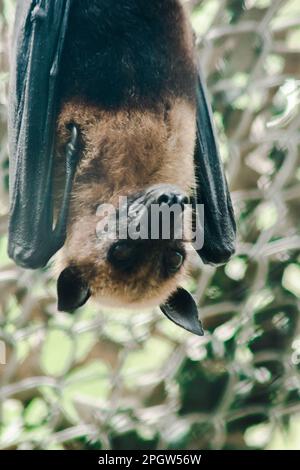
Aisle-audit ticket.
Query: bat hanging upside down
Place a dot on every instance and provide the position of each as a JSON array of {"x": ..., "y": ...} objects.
[{"x": 111, "y": 107}]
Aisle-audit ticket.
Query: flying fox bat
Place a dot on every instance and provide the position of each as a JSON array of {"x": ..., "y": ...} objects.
[{"x": 106, "y": 101}]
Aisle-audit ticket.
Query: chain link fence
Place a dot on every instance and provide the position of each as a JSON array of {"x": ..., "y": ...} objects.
[{"x": 131, "y": 380}]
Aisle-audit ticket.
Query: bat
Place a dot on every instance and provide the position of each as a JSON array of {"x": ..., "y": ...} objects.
[{"x": 106, "y": 103}]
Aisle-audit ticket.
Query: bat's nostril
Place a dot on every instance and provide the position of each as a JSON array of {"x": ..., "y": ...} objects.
[
  {"x": 184, "y": 200},
  {"x": 164, "y": 199},
  {"x": 172, "y": 198}
]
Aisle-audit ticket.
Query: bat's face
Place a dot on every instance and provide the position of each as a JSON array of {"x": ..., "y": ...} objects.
[
  {"x": 122, "y": 271},
  {"x": 130, "y": 220}
]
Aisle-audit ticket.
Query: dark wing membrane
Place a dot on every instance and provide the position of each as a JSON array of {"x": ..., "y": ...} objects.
[
  {"x": 212, "y": 189},
  {"x": 39, "y": 34}
]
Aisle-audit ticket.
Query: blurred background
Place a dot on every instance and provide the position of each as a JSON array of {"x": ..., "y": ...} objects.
[{"x": 132, "y": 380}]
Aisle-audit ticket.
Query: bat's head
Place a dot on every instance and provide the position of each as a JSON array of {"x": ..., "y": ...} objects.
[
  {"x": 128, "y": 237},
  {"x": 130, "y": 254}
]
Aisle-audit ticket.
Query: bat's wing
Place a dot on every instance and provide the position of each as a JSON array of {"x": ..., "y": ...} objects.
[
  {"x": 212, "y": 190},
  {"x": 38, "y": 40}
]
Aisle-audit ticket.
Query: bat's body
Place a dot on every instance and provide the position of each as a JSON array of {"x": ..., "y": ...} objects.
[
  {"x": 129, "y": 84},
  {"x": 128, "y": 87}
]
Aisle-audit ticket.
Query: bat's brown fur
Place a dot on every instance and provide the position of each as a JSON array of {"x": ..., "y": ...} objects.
[{"x": 125, "y": 151}]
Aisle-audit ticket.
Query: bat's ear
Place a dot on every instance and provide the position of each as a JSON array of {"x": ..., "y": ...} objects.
[
  {"x": 181, "y": 309},
  {"x": 212, "y": 191},
  {"x": 72, "y": 290}
]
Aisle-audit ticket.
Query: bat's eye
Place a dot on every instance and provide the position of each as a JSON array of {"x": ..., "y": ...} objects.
[
  {"x": 174, "y": 260},
  {"x": 122, "y": 251},
  {"x": 123, "y": 255}
]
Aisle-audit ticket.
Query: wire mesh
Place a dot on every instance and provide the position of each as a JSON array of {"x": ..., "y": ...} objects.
[{"x": 130, "y": 380}]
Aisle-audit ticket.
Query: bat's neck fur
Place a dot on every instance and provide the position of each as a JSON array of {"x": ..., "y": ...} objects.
[{"x": 127, "y": 52}]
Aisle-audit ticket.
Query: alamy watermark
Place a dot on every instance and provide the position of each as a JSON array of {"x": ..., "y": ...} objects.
[{"x": 139, "y": 221}]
